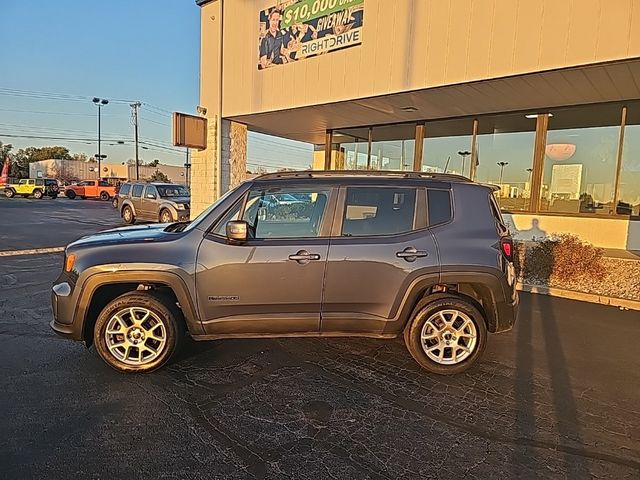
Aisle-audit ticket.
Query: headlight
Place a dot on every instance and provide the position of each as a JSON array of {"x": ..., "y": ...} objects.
[{"x": 179, "y": 206}]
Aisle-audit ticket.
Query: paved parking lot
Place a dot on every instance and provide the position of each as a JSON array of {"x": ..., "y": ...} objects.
[{"x": 558, "y": 397}]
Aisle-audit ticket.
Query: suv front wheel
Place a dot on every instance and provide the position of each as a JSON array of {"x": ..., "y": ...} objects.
[
  {"x": 446, "y": 334},
  {"x": 138, "y": 332}
]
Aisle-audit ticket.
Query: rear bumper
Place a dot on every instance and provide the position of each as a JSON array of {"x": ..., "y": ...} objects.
[{"x": 507, "y": 313}]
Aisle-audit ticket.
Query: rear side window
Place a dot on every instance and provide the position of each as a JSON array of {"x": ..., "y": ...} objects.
[
  {"x": 102, "y": 183},
  {"x": 371, "y": 211},
  {"x": 137, "y": 191},
  {"x": 125, "y": 189},
  {"x": 439, "y": 203}
]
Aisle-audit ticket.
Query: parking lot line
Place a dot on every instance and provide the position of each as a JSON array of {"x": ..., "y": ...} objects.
[{"x": 32, "y": 251}]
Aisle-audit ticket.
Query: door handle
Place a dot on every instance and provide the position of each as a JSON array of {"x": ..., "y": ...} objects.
[
  {"x": 304, "y": 257},
  {"x": 410, "y": 254}
]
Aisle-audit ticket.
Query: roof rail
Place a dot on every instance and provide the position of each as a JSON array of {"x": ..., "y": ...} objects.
[{"x": 362, "y": 173}]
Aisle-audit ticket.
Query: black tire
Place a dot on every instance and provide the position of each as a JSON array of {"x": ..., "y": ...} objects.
[
  {"x": 10, "y": 192},
  {"x": 114, "y": 202},
  {"x": 173, "y": 328},
  {"x": 104, "y": 196},
  {"x": 83, "y": 197},
  {"x": 37, "y": 193},
  {"x": 165, "y": 216},
  {"x": 425, "y": 310},
  {"x": 128, "y": 216},
  {"x": 70, "y": 194},
  {"x": 54, "y": 196}
]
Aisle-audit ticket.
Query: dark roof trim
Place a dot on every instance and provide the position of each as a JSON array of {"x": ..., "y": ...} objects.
[{"x": 200, "y": 3}]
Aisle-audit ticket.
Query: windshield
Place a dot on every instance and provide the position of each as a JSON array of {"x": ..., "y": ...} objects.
[
  {"x": 172, "y": 191},
  {"x": 198, "y": 220}
]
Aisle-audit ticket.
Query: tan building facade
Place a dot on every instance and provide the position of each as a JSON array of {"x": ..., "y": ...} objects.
[
  {"x": 73, "y": 170},
  {"x": 539, "y": 98}
]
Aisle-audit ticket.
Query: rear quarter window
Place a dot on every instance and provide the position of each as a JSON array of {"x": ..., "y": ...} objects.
[{"x": 439, "y": 206}]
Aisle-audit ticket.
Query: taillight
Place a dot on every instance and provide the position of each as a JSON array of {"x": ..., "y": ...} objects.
[{"x": 507, "y": 248}]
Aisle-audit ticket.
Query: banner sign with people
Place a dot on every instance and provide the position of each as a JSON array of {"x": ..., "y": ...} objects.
[{"x": 296, "y": 29}]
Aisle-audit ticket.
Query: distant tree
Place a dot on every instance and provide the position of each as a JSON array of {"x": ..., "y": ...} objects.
[
  {"x": 260, "y": 170},
  {"x": 154, "y": 163},
  {"x": 80, "y": 157},
  {"x": 158, "y": 176},
  {"x": 5, "y": 149}
]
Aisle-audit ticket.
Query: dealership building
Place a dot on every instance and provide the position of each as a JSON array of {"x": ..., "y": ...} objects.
[{"x": 540, "y": 98}]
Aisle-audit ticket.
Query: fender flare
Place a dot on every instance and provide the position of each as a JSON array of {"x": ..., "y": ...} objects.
[{"x": 164, "y": 278}]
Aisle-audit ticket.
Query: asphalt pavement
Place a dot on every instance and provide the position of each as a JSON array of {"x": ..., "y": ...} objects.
[{"x": 558, "y": 397}]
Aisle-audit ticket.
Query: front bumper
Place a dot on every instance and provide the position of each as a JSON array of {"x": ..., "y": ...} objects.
[{"x": 62, "y": 305}]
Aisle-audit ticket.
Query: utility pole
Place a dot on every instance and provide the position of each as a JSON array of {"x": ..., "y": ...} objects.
[{"x": 134, "y": 117}]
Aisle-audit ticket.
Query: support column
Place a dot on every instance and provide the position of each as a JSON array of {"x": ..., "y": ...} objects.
[{"x": 233, "y": 161}]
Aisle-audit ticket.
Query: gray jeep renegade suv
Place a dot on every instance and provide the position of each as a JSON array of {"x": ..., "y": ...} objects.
[{"x": 371, "y": 254}]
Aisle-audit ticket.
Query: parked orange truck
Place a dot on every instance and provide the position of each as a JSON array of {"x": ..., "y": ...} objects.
[{"x": 91, "y": 189}]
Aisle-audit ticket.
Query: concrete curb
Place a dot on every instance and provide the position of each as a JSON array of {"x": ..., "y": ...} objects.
[
  {"x": 581, "y": 296},
  {"x": 32, "y": 251}
]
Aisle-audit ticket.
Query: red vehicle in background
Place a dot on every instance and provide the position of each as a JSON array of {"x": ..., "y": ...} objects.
[{"x": 91, "y": 189}]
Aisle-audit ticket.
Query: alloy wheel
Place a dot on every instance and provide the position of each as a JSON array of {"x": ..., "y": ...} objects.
[
  {"x": 135, "y": 336},
  {"x": 448, "y": 337}
]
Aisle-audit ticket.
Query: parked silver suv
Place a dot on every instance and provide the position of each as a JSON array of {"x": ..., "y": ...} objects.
[{"x": 155, "y": 202}]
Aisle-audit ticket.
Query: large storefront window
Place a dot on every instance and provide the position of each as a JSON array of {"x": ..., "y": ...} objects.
[
  {"x": 505, "y": 145},
  {"x": 629, "y": 196},
  {"x": 447, "y": 147},
  {"x": 392, "y": 147},
  {"x": 580, "y": 160},
  {"x": 352, "y": 147}
]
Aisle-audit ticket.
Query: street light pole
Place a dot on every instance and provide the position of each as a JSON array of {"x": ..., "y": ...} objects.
[
  {"x": 464, "y": 155},
  {"x": 502, "y": 165},
  {"x": 99, "y": 102}
]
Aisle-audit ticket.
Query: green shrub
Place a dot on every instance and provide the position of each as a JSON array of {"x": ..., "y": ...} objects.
[{"x": 562, "y": 259}]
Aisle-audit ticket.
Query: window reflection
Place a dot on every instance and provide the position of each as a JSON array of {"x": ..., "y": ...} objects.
[
  {"x": 392, "y": 147},
  {"x": 447, "y": 147},
  {"x": 580, "y": 160},
  {"x": 351, "y": 146},
  {"x": 505, "y": 147},
  {"x": 629, "y": 197}
]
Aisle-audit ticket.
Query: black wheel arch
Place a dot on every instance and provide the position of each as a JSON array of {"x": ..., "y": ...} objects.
[{"x": 100, "y": 289}]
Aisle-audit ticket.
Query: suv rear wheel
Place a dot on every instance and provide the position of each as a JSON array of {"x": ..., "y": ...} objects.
[
  {"x": 128, "y": 216},
  {"x": 37, "y": 194},
  {"x": 446, "y": 334},
  {"x": 138, "y": 332}
]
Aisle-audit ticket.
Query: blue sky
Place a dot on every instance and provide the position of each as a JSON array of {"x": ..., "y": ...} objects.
[{"x": 57, "y": 55}]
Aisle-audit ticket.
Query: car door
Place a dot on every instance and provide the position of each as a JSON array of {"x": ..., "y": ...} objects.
[
  {"x": 380, "y": 247},
  {"x": 272, "y": 284},
  {"x": 23, "y": 187},
  {"x": 149, "y": 202}
]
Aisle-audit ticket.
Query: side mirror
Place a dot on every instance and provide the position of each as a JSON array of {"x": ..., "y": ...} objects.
[{"x": 237, "y": 231}]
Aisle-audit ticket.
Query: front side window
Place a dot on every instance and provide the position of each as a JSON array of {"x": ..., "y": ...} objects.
[
  {"x": 290, "y": 213},
  {"x": 151, "y": 192},
  {"x": 378, "y": 211},
  {"x": 137, "y": 191},
  {"x": 23, "y": 182}
]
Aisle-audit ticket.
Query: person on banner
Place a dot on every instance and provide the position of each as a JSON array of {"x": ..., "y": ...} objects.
[
  {"x": 299, "y": 34},
  {"x": 272, "y": 46}
]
